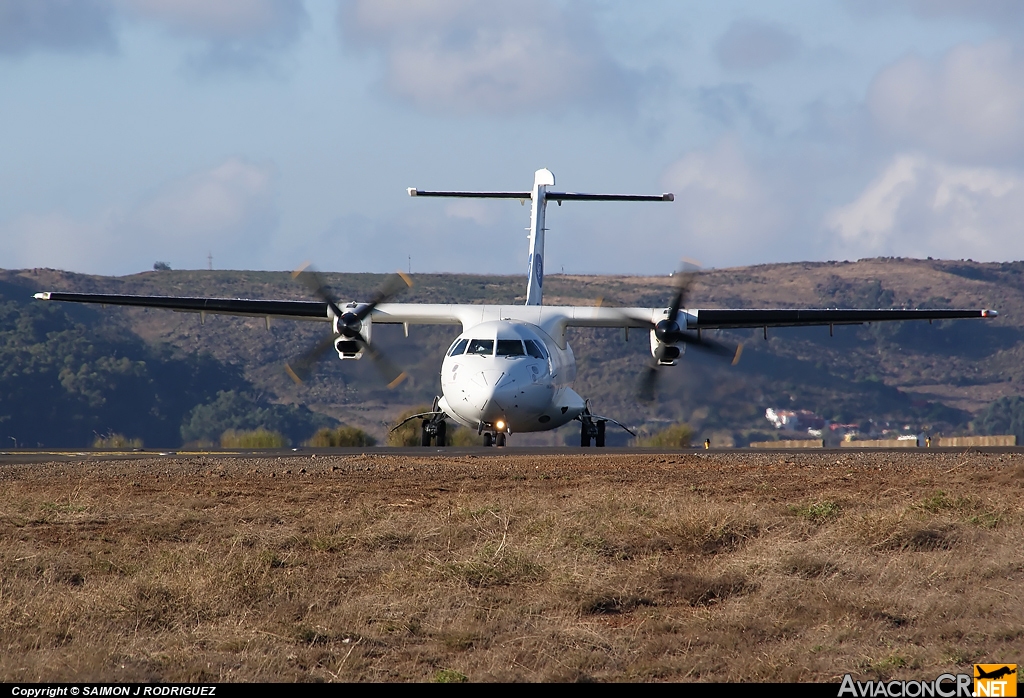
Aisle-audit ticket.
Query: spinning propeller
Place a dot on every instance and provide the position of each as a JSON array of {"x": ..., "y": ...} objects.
[
  {"x": 349, "y": 325},
  {"x": 669, "y": 333}
]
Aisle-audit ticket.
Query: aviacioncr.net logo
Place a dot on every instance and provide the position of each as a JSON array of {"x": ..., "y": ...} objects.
[{"x": 945, "y": 686}]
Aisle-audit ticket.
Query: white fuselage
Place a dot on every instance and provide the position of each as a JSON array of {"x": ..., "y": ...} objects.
[{"x": 511, "y": 376}]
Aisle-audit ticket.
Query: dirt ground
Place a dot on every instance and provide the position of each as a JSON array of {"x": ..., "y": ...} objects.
[{"x": 736, "y": 566}]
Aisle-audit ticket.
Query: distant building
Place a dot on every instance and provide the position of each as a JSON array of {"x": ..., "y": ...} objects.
[{"x": 795, "y": 420}]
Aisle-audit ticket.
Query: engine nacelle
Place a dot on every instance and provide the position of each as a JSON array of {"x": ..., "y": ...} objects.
[
  {"x": 347, "y": 347},
  {"x": 666, "y": 354}
]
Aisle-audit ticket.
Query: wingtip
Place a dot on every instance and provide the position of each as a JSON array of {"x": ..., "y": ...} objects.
[
  {"x": 45, "y": 296},
  {"x": 984, "y": 313}
]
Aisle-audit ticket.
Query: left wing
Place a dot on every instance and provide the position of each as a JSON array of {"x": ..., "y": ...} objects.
[{"x": 300, "y": 310}]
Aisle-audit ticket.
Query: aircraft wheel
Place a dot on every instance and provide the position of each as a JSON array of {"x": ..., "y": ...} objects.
[
  {"x": 442, "y": 434},
  {"x": 488, "y": 440},
  {"x": 584, "y": 436},
  {"x": 499, "y": 440},
  {"x": 599, "y": 441},
  {"x": 424, "y": 434}
]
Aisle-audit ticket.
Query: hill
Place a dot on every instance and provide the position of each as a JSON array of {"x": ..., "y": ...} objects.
[{"x": 928, "y": 376}]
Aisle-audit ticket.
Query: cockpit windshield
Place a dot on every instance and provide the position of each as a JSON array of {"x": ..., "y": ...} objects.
[
  {"x": 483, "y": 347},
  {"x": 535, "y": 349},
  {"x": 459, "y": 347},
  {"x": 510, "y": 347}
]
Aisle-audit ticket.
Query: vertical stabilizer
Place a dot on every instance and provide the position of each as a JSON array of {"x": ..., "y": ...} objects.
[{"x": 542, "y": 179}]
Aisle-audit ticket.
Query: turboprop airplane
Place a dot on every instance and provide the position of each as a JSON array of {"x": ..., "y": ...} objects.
[{"x": 511, "y": 368}]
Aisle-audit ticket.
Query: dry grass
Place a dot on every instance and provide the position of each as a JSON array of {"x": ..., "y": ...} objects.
[
  {"x": 389, "y": 568},
  {"x": 256, "y": 438}
]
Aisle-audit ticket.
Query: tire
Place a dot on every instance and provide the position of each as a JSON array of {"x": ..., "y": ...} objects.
[
  {"x": 488, "y": 440},
  {"x": 599, "y": 441},
  {"x": 499, "y": 440},
  {"x": 442, "y": 434},
  {"x": 424, "y": 434},
  {"x": 584, "y": 436}
]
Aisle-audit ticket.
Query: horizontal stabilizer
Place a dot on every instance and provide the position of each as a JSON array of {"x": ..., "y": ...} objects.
[
  {"x": 572, "y": 196},
  {"x": 472, "y": 194},
  {"x": 550, "y": 196}
]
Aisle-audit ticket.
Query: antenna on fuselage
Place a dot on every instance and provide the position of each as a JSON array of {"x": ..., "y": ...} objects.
[{"x": 542, "y": 179}]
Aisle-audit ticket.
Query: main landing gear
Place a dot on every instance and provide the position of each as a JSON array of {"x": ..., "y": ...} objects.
[
  {"x": 592, "y": 427},
  {"x": 435, "y": 431}
]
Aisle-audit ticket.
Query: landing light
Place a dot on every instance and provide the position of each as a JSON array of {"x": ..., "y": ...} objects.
[{"x": 499, "y": 425}]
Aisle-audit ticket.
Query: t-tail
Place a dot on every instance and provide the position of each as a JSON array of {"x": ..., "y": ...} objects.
[{"x": 540, "y": 196}]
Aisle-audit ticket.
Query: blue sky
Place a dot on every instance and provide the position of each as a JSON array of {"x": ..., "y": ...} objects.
[{"x": 269, "y": 133}]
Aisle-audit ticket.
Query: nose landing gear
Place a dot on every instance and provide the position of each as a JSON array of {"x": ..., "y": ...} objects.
[{"x": 495, "y": 438}]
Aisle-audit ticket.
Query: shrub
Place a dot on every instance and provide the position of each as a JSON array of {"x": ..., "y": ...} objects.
[
  {"x": 241, "y": 411},
  {"x": 112, "y": 440},
  {"x": 342, "y": 436},
  {"x": 257, "y": 438},
  {"x": 675, "y": 436},
  {"x": 409, "y": 433}
]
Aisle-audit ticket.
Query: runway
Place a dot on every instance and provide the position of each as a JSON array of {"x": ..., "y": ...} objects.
[{"x": 23, "y": 456}]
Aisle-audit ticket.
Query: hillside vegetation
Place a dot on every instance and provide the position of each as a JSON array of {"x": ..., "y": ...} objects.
[{"x": 161, "y": 365}]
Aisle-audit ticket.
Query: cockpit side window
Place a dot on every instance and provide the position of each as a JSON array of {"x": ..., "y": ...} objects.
[
  {"x": 459, "y": 347},
  {"x": 483, "y": 347},
  {"x": 534, "y": 349},
  {"x": 510, "y": 347}
]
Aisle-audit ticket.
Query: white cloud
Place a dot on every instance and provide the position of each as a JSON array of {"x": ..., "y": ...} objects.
[
  {"x": 230, "y": 201},
  {"x": 56, "y": 25},
  {"x": 920, "y": 207},
  {"x": 998, "y": 12},
  {"x": 751, "y": 44},
  {"x": 729, "y": 211},
  {"x": 233, "y": 34},
  {"x": 465, "y": 56},
  {"x": 480, "y": 212},
  {"x": 227, "y": 209},
  {"x": 223, "y": 19},
  {"x": 968, "y": 105}
]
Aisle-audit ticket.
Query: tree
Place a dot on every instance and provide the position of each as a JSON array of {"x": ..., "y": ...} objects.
[{"x": 1004, "y": 416}]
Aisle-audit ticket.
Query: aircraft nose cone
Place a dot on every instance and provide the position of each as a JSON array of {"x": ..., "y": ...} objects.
[{"x": 508, "y": 394}]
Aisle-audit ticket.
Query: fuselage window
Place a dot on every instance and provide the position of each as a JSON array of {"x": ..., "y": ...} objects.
[
  {"x": 534, "y": 349},
  {"x": 459, "y": 347},
  {"x": 483, "y": 347},
  {"x": 510, "y": 347}
]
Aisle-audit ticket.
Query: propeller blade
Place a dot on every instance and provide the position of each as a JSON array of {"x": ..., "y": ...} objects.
[
  {"x": 720, "y": 349},
  {"x": 302, "y": 368},
  {"x": 387, "y": 368},
  {"x": 684, "y": 279},
  {"x": 392, "y": 286},
  {"x": 315, "y": 283}
]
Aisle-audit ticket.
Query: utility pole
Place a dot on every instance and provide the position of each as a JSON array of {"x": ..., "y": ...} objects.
[{"x": 209, "y": 260}]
